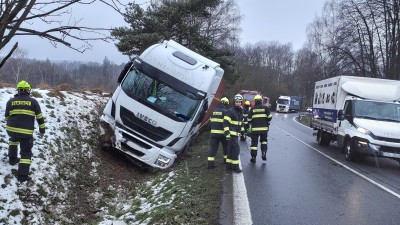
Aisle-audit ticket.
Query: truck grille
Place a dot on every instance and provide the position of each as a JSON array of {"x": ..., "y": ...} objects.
[
  {"x": 154, "y": 133},
  {"x": 390, "y": 149}
]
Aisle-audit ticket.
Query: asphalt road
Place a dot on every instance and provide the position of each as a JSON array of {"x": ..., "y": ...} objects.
[{"x": 304, "y": 183}]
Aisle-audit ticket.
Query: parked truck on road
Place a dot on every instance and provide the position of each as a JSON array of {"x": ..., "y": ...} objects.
[
  {"x": 288, "y": 104},
  {"x": 361, "y": 114},
  {"x": 162, "y": 101}
]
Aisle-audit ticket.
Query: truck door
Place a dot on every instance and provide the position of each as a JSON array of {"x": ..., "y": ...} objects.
[{"x": 346, "y": 123}]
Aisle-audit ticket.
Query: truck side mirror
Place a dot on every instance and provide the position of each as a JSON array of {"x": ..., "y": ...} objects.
[{"x": 340, "y": 115}]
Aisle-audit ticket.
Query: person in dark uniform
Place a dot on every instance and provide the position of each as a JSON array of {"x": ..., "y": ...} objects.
[
  {"x": 259, "y": 120},
  {"x": 21, "y": 111},
  {"x": 243, "y": 132},
  {"x": 232, "y": 127},
  {"x": 217, "y": 133}
]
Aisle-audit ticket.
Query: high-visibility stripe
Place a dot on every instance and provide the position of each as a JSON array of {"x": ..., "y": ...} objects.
[
  {"x": 217, "y": 120},
  {"x": 259, "y": 128},
  {"x": 42, "y": 126},
  {"x": 260, "y": 116},
  {"x": 211, "y": 158},
  {"x": 13, "y": 143},
  {"x": 234, "y": 133},
  {"x": 39, "y": 116},
  {"x": 238, "y": 123},
  {"x": 228, "y": 160},
  {"x": 25, "y": 161},
  {"x": 253, "y": 147},
  {"x": 217, "y": 131},
  {"x": 264, "y": 142},
  {"x": 235, "y": 162},
  {"x": 22, "y": 112},
  {"x": 227, "y": 118},
  {"x": 19, "y": 130}
]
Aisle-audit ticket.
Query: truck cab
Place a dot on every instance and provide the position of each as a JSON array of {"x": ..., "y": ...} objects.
[{"x": 161, "y": 103}]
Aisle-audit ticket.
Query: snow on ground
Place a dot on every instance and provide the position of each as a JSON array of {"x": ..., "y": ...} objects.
[{"x": 59, "y": 113}]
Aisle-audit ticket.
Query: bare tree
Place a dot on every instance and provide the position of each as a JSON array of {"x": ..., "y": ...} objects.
[
  {"x": 18, "y": 16},
  {"x": 17, "y": 63}
]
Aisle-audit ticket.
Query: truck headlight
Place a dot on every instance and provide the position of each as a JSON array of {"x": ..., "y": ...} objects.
[
  {"x": 162, "y": 161},
  {"x": 363, "y": 130}
]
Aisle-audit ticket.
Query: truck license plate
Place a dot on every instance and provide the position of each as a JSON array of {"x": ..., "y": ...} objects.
[{"x": 393, "y": 155}]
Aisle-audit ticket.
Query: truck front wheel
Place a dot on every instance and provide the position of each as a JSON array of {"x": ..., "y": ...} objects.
[{"x": 348, "y": 152}]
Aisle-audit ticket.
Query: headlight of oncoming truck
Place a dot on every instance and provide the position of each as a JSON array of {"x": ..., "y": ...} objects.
[{"x": 363, "y": 130}]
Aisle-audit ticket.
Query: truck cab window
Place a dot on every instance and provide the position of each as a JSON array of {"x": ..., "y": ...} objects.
[
  {"x": 347, "y": 109},
  {"x": 138, "y": 85}
]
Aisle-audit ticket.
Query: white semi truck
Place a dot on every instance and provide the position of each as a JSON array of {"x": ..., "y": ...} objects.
[
  {"x": 164, "y": 97},
  {"x": 361, "y": 114},
  {"x": 288, "y": 104}
]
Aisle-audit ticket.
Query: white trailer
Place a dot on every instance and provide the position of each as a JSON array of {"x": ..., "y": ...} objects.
[
  {"x": 361, "y": 114},
  {"x": 161, "y": 103}
]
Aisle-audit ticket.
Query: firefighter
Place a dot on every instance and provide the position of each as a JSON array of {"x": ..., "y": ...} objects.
[
  {"x": 21, "y": 111},
  {"x": 243, "y": 132},
  {"x": 259, "y": 120},
  {"x": 232, "y": 126},
  {"x": 217, "y": 132}
]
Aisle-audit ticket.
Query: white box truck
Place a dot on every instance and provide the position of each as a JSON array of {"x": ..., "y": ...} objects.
[
  {"x": 361, "y": 114},
  {"x": 163, "y": 99}
]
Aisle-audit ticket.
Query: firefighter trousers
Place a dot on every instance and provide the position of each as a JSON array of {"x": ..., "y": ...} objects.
[
  {"x": 26, "y": 144},
  {"x": 212, "y": 152},
  {"x": 263, "y": 137},
  {"x": 233, "y": 153}
]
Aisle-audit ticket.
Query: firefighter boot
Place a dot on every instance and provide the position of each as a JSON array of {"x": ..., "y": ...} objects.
[
  {"x": 242, "y": 137},
  {"x": 211, "y": 165},
  {"x": 228, "y": 166},
  {"x": 236, "y": 169},
  {"x": 264, "y": 155},
  {"x": 253, "y": 159}
]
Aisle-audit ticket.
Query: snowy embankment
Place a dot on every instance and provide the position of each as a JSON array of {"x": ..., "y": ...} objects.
[{"x": 53, "y": 159}]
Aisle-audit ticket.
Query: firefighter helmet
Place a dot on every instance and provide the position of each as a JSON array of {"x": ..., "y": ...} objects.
[
  {"x": 24, "y": 86},
  {"x": 224, "y": 101},
  {"x": 238, "y": 97},
  {"x": 247, "y": 103},
  {"x": 257, "y": 98}
]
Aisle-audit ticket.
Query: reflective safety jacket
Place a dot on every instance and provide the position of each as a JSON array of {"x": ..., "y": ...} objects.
[
  {"x": 259, "y": 119},
  {"x": 217, "y": 119},
  {"x": 246, "y": 110},
  {"x": 233, "y": 122},
  {"x": 21, "y": 111}
]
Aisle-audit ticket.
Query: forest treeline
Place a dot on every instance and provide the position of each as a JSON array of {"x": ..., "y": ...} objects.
[{"x": 356, "y": 38}]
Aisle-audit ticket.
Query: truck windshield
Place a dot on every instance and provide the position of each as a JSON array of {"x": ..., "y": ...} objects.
[
  {"x": 159, "y": 96},
  {"x": 377, "y": 110},
  {"x": 283, "y": 101},
  {"x": 249, "y": 97}
]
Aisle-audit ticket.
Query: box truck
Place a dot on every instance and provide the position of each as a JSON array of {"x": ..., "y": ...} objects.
[
  {"x": 361, "y": 114},
  {"x": 164, "y": 97},
  {"x": 288, "y": 104}
]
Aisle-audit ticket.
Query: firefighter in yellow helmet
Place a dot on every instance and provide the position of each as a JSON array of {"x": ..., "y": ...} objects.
[
  {"x": 20, "y": 114},
  {"x": 217, "y": 132},
  {"x": 259, "y": 120},
  {"x": 232, "y": 126},
  {"x": 246, "y": 109}
]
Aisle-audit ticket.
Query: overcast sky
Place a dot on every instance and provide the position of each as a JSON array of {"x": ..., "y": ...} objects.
[{"x": 284, "y": 21}]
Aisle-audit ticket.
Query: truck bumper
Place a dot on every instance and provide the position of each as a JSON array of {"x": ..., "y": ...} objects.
[
  {"x": 138, "y": 148},
  {"x": 378, "y": 149}
]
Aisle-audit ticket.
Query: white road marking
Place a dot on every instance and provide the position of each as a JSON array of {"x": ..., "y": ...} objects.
[
  {"x": 344, "y": 166},
  {"x": 241, "y": 207}
]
